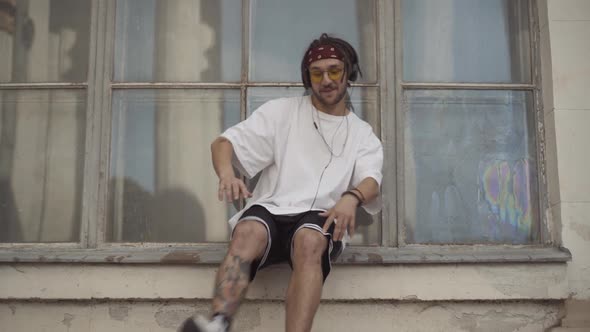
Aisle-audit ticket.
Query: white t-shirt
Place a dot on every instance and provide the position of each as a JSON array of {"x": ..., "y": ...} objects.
[{"x": 280, "y": 140}]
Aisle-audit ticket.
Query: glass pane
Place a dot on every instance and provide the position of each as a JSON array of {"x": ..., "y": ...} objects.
[
  {"x": 366, "y": 106},
  {"x": 162, "y": 185},
  {"x": 178, "y": 40},
  {"x": 470, "y": 167},
  {"x": 42, "y": 135},
  {"x": 44, "y": 41},
  {"x": 283, "y": 29},
  {"x": 466, "y": 41},
  {"x": 364, "y": 101}
]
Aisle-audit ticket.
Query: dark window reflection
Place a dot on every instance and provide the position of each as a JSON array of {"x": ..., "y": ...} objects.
[{"x": 44, "y": 40}]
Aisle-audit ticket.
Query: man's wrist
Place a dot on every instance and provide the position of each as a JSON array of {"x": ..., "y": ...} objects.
[
  {"x": 228, "y": 173},
  {"x": 353, "y": 194},
  {"x": 362, "y": 196}
]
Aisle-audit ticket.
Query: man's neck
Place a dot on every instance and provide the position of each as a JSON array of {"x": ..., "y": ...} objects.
[{"x": 339, "y": 109}]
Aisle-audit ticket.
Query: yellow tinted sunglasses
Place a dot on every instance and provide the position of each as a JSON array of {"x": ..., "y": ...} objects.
[{"x": 335, "y": 74}]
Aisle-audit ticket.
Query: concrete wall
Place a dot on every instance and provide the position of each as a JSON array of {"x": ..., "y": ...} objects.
[
  {"x": 567, "y": 113},
  {"x": 269, "y": 316},
  {"x": 450, "y": 297},
  {"x": 446, "y": 282}
]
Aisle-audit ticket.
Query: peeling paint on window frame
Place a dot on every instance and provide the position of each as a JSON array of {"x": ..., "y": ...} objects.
[{"x": 393, "y": 250}]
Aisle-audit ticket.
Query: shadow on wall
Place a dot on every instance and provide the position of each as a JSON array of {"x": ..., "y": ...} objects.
[
  {"x": 10, "y": 227},
  {"x": 172, "y": 215}
]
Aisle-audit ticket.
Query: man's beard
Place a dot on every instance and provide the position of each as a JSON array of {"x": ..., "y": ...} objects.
[{"x": 324, "y": 102}]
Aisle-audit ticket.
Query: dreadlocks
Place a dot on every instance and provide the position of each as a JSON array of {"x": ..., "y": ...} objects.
[{"x": 350, "y": 59}]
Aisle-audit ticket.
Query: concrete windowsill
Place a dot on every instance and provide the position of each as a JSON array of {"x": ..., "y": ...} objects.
[{"x": 214, "y": 253}]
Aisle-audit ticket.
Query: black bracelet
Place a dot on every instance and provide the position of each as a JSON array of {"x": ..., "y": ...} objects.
[
  {"x": 360, "y": 193},
  {"x": 350, "y": 192}
]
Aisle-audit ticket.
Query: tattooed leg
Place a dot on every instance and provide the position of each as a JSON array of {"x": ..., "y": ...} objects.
[{"x": 233, "y": 277}]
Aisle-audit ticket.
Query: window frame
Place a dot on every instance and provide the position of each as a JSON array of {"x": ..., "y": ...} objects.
[
  {"x": 87, "y": 179},
  {"x": 534, "y": 86},
  {"x": 93, "y": 248}
]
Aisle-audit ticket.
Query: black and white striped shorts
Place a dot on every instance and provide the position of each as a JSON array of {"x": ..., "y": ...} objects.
[{"x": 281, "y": 230}]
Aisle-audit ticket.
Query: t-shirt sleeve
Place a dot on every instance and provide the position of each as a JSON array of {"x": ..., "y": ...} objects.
[
  {"x": 369, "y": 163},
  {"x": 253, "y": 140}
]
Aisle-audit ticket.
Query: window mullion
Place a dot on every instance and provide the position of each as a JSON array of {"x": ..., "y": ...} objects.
[
  {"x": 386, "y": 74},
  {"x": 245, "y": 42},
  {"x": 398, "y": 136},
  {"x": 543, "y": 227},
  {"x": 244, "y": 72},
  {"x": 102, "y": 124},
  {"x": 91, "y": 144},
  {"x": 39, "y": 86},
  {"x": 466, "y": 86}
]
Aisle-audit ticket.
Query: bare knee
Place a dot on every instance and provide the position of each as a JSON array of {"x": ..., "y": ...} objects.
[
  {"x": 308, "y": 247},
  {"x": 249, "y": 239}
]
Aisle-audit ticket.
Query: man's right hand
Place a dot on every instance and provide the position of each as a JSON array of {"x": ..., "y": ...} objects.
[{"x": 232, "y": 188}]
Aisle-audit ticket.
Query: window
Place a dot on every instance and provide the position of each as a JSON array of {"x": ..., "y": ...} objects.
[
  {"x": 162, "y": 187},
  {"x": 108, "y": 109},
  {"x": 44, "y": 74},
  {"x": 469, "y": 152}
]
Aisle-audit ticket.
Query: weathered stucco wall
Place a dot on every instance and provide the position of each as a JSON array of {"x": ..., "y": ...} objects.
[
  {"x": 567, "y": 114},
  {"x": 269, "y": 316},
  {"x": 526, "y": 281},
  {"x": 449, "y": 297}
]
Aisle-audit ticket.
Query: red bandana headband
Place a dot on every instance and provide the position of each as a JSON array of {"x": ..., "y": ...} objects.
[{"x": 324, "y": 52}]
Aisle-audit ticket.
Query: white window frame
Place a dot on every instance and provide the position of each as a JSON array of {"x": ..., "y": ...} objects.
[{"x": 93, "y": 248}]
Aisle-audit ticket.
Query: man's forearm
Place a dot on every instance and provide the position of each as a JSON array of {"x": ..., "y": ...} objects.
[
  {"x": 369, "y": 189},
  {"x": 221, "y": 155}
]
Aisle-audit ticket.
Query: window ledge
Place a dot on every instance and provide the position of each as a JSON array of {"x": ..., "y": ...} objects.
[
  {"x": 455, "y": 255},
  {"x": 214, "y": 253}
]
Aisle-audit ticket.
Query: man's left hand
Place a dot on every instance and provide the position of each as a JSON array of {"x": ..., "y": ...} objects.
[{"x": 342, "y": 215}]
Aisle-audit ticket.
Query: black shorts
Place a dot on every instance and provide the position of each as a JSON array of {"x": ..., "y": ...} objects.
[{"x": 281, "y": 230}]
